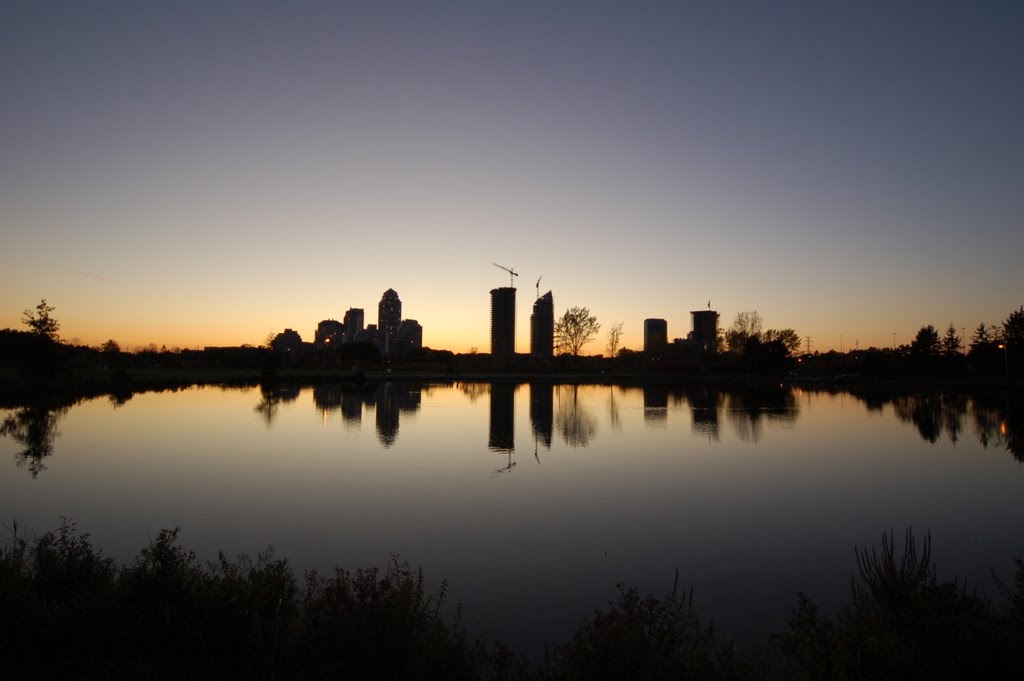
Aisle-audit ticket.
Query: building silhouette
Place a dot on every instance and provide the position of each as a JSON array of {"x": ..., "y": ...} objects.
[
  {"x": 389, "y": 316},
  {"x": 704, "y": 330},
  {"x": 409, "y": 336},
  {"x": 329, "y": 332},
  {"x": 542, "y": 327},
  {"x": 354, "y": 320},
  {"x": 655, "y": 335},
  {"x": 503, "y": 321}
]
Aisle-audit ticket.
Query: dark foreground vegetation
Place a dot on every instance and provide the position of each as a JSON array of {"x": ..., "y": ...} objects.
[{"x": 66, "y": 611}]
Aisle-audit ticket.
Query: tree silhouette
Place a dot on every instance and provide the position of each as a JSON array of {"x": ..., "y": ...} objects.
[
  {"x": 614, "y": 338},
  {"x": 951, "y": 343},
  {"x": 1013, "y": 330},
  {"x": 42, "y": 321},
  {"x": 926, "y": 342},
  {"x": 574, "y": 329},
  {"x": 747, "y": 325}
]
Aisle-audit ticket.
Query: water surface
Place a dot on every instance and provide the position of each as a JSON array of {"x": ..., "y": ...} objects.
[{"x": 534, "y": 500}]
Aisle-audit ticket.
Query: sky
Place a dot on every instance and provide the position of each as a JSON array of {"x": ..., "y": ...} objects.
[{"x": 208, "y": 173}]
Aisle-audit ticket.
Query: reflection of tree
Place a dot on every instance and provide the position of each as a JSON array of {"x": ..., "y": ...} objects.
[
  {"x": 35, "y": 429},
  {"x": 271, "y": 396},
  {"x": 613, "y": 407},
  {"x": 751, "y": 406},
  {"x": 473, "y": 391},
  {"x": 575, "y": 424},
  {"x": 933, "y": 414}
]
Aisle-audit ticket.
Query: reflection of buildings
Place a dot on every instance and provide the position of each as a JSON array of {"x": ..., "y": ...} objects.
[
  {"x": 542, "y": 327},
  {"x": 502, "y": 434},
  {"x": 389, "y": 316},
  {"x": 655, "y": 335},
  {"x": 542, "y": 404},
  {"x": 392, "y": 399},
  {"x": 655, "y": 404},
  {"x": 503, "y": 321},
  {"x": 704, "y": 405}
]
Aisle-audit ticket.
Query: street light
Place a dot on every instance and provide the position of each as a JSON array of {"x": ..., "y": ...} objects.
[{"x": 1006, "y": 360}]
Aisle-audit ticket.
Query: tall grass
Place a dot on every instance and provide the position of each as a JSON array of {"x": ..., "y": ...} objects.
[{"x": 66, "y": 611}]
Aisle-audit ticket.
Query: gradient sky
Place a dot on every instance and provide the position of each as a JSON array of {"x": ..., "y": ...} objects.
[{"x": 206, "y": 173}]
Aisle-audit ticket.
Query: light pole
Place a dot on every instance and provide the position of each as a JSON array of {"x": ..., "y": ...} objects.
[{"x": 1006, "y": 360}]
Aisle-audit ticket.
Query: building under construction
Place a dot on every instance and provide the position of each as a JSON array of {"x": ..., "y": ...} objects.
[
  {"x": 542, "y": 327},
  {"x": 503, "y": 321}
]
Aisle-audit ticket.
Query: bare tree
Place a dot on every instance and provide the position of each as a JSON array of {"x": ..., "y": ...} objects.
[
  {"x": 574, "y": 329},
  {"x": 42, "y": 321},
  {"x": 614, "y": 338},
  {"x": 747, "y": 325}
]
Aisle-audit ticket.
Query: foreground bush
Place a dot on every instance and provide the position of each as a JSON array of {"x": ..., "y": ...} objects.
[{"x": 68, "y": 612}]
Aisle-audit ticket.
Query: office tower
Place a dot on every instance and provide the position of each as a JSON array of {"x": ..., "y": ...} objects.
[
  {"x": 655, "y": 334},
  {"x": 328, "y": 332},
  {"x": 542, "y": 327},
  {"x": 704, "y": 330},
  {"x": 353, "y": 323},
  {"x": 389, "y": 316},
  {"x": 409, "y": 335},
  {"x": 503, "y": 321}
]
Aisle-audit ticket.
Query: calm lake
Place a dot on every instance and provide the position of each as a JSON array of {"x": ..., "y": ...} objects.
[{"x": 534, "y": 500}]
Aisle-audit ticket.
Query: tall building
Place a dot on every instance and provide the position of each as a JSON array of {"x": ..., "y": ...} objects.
[
  {"x": 704, "y": 330},
  {"x": 409, "y": 335},
  {"x": 655, "y": 334},
  {"x": 542, "y": 327},
  {"x": 503, "y": 321},
  {"x": 389, "y": 316},
  {"x": 354, "y": 320},
  {"x": 328, "y": 332}
]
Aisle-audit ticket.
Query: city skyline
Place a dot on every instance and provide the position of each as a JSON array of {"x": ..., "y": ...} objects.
[{"x": 196, "y": 175}]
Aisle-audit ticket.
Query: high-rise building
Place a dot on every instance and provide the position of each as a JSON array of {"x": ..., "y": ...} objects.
[
  {"x": 542, "y": 327},
  {"x": 655, "y": 334},
  {"x": 704, "y": 330},
  {"x": 354, "y": 320},
  {"x": 503, "y": 321},
  {"x": 389, "y": 316},
  {"x": 328, "y": 332},
  {"x": 409, "y": 335}
]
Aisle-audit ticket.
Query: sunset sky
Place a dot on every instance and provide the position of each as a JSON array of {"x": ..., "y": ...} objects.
[{"x": 206, "y": 173}]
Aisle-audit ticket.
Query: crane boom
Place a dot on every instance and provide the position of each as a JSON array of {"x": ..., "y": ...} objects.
[{"x": 509, "y": 270}]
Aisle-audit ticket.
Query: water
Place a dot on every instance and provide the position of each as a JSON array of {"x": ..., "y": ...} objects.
[{"x": 534, "y": 500}]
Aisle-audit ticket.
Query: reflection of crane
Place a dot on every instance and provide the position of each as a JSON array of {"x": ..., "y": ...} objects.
[
  {"x": 510, "y": 272},
  {"x": 538, "y": 287}
]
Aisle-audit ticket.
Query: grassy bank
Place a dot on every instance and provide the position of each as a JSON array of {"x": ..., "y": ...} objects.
[{"x": 67, "y": 611}]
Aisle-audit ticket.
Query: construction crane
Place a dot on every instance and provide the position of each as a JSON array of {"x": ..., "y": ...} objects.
[
  {"x": 510, "y": 272},
  {"x": 538, "y": 287}
]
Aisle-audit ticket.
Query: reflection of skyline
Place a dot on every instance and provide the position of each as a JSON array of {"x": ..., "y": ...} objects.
[
  {"x": 705, "y": 405},
  {"x": 655, "y": 405},
  {"x": 542, "y": 401},
  {"x": 501, "y": 433},
  {"x": 389, "y": 400}
]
